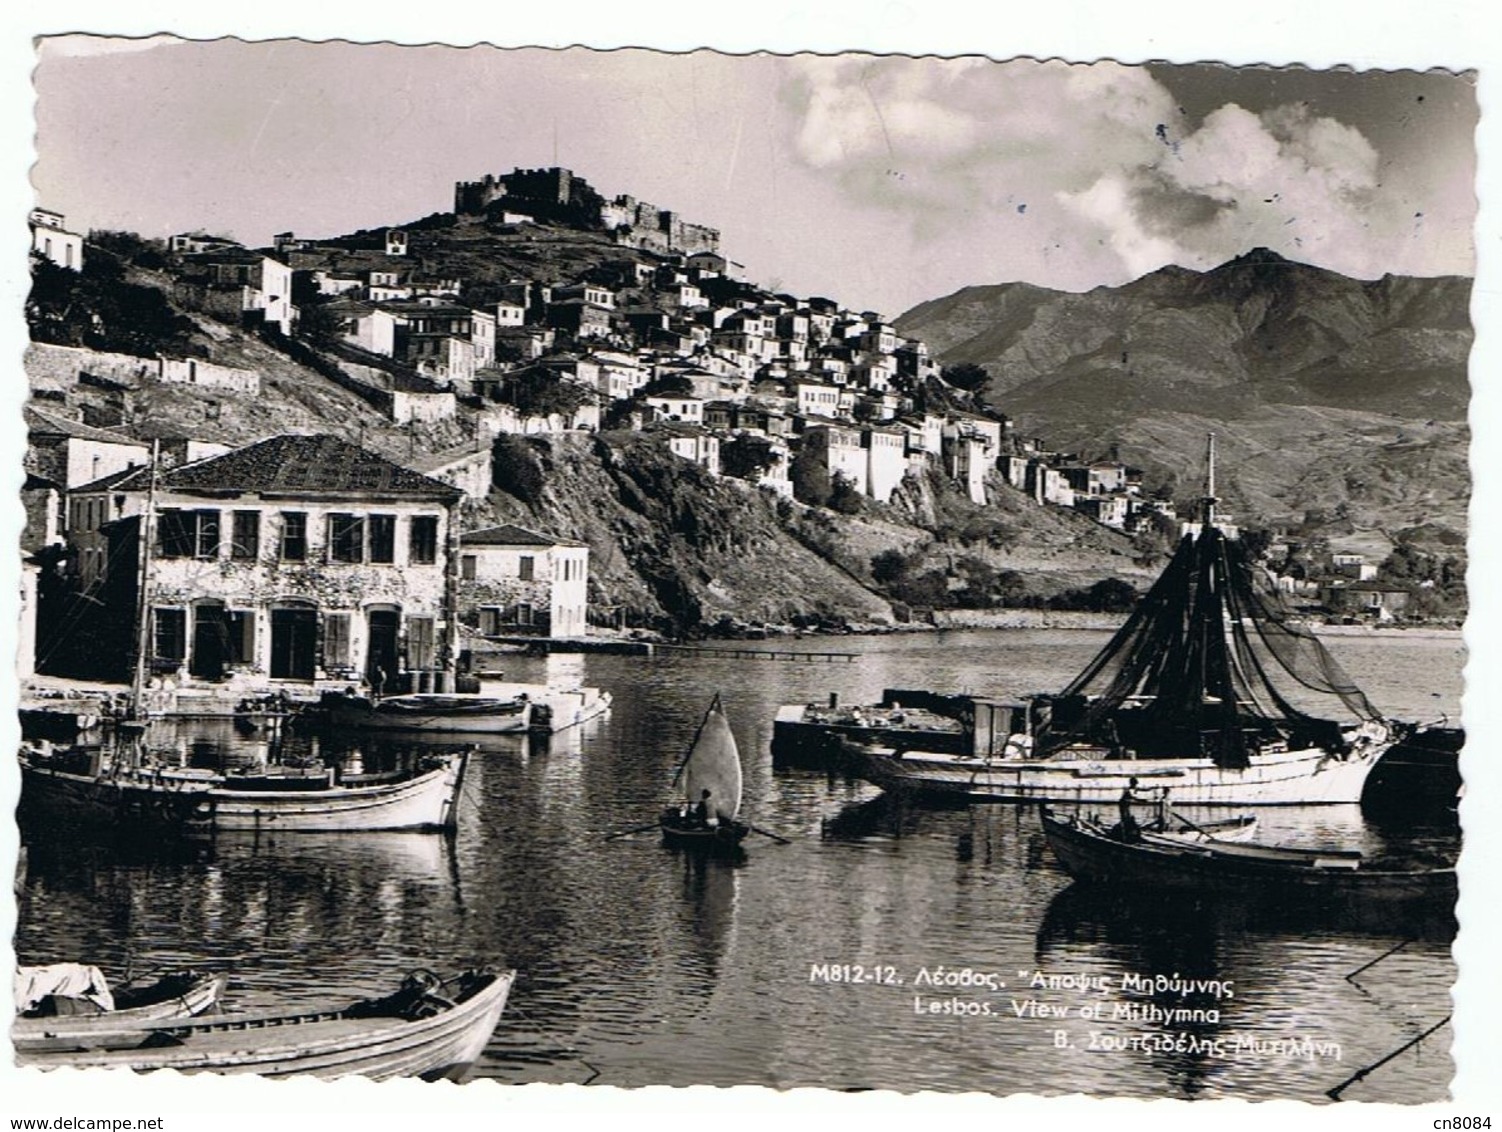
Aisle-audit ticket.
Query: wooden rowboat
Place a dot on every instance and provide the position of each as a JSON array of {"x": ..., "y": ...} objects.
[
  {"x": 175, "y": 996},
  {"x": 1089, "y": 852},
  {"x": 431, "y": 711},
  {"x": 427, "y": 1028}
]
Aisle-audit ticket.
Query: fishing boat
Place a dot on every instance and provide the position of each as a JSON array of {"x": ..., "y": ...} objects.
[
  {"x": 188, "y": 800},
  {"x": 710, "y": 775},
  {"x": 425, "y": 798},
  {"x": 1091, "y": 852},
  {"x": 81, "y": 789},
  {"x": 430, "y": 711},
  {"x": 68, "y": 1006},
  {"x": 427, "y": 1027},
  {"x": 1207, "y": 689}
]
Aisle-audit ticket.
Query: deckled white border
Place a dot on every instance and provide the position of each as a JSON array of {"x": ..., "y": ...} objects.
[{"x": 1457, "y": 34}]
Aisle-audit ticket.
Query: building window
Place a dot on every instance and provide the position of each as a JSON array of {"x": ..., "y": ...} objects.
[
  {"x": 346, "y": 538},
  {"x": 336, "y": 646},
  {"x": 188, "y": 534},
  {"x": 528, "y": 567},
  {"x": 242, "y": 636},
  {"x": 490, "y": 621},
  {"x": 420, "y": 651},
  {"x": 294, "y": 546},
  {"x": 246, "y": 538},
  {"x": 383, "y": 538},
  {"x": 170, "y": 634},
  {"x": 422, "y": 549},
  {"x": 524, "y": 613},
  {"x": 467, "y": 567}
]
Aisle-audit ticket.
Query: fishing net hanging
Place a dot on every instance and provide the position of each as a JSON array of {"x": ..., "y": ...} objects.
[{"x": 1206, "y": 664}]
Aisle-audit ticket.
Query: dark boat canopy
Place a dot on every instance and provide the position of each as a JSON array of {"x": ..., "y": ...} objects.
[{"x": 1207, "y": 665}]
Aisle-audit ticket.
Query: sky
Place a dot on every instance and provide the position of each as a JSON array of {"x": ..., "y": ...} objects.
[{"x": 880, "y": 181}]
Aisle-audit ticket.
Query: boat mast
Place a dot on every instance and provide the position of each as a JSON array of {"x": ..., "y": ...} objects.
[
  {"x": 143, "y": 600},
  {"x": 1209, "y": 499}
]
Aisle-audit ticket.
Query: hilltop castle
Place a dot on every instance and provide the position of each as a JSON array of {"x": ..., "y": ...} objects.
[{"x": 556, "y": 194}]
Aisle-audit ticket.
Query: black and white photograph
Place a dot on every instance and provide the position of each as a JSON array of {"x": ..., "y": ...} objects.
[{"x": 818, "y": 569}]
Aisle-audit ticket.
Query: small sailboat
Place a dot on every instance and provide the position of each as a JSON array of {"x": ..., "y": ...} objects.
[{"x": 710, "y": 776}]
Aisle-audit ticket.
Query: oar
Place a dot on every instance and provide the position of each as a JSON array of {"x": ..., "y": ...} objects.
[
  {"x": 768, "y": 833},
  {"x": 1190, "y": 824},
  {"x": 629, "y": 832}
]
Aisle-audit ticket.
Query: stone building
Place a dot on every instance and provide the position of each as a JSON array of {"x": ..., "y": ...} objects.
[
  {"x": 517, "y": 582},
  {"x": 294, "y": 563}
]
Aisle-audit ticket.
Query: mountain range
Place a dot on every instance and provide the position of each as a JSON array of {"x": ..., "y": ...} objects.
[{"x": 1337, "y": 403}]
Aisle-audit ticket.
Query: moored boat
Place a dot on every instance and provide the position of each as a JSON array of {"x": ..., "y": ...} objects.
[
  {"x": 554, "y": 707},
  {"x": 711, "y": 780},
  {"x": 81, "y": 789},
  {"x": 430, "y": 711},
  {"x": 51, "y": 1015},
  {"x": 1089, "y": 851},
  {"x": 1206, "y": 689},
  {"x": 426, "y": 1028},
  {"x": 425, "y": 799},
  {"x": 184, "y": 800}
]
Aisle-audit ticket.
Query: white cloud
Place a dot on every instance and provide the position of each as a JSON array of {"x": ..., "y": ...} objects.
[{"x": 1099, "y": 161}]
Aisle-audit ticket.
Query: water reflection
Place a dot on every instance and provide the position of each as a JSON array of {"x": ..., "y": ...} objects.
[{"x": 656, "y": 967}]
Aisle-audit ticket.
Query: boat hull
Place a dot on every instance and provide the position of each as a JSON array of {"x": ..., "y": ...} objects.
[
  {"x": 555, "y": 709},
  {"x": 440, "y": 712},
  {"x": 124, "y": 804},
  {"x": 724, "y": 838},
  {"x": 427, "y": 802},
  {"x": 1304, "y": 777},
  {"x": 1089, "y": 854},
  {"x": 327, "y": 1045},
  {"x": 115, "y": 1028}
]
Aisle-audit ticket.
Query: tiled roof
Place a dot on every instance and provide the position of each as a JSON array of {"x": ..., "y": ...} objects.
[
  {"x": 316, "y": 465},
  {"x": 129, "y": 479},
  {"x": 509, "y": 534},
  {"x": 44, "y": 423}
]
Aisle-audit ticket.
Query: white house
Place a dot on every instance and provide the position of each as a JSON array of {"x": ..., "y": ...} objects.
[
  {"x": 51, "y": 239},
  {"x": 515, "y": 581}
]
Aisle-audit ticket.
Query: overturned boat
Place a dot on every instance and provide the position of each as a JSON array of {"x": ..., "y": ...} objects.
[{"x": 1206, "y": 690}]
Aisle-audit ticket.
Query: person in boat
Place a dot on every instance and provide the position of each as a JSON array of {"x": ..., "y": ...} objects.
[
  {"x": 377, "y": 683},
  {"x": 702, "y": 811},
  {"x": 1126, "y": 828}
]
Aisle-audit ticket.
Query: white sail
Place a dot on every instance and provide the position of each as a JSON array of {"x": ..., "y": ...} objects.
[{"x": 714, "y": 764}]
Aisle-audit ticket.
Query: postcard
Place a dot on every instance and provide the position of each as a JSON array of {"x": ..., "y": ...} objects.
[{"x": 863, "y": 571}]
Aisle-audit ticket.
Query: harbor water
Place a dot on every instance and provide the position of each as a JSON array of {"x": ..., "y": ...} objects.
[{"x": 888, "y": 946}]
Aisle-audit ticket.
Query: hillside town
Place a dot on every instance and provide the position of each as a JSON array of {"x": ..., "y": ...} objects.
[{"x": 309, "y": 558}]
